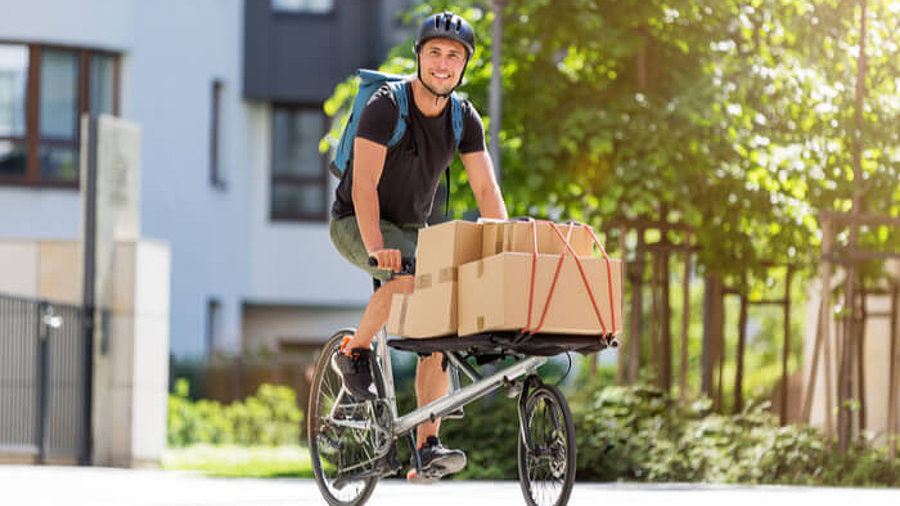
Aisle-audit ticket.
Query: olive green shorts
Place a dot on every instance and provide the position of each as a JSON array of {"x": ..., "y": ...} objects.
[{"x": 348, "y": 241}]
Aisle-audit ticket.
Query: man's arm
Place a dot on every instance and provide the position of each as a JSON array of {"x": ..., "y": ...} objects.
[
  {"x": 484, "y": 185},
  {"x": 368, "y": 163}
]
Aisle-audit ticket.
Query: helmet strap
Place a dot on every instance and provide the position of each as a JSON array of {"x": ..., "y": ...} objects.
[{"x": 429, "y": 88}]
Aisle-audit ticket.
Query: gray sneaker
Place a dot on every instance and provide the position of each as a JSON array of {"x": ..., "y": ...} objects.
[{"x": 437, "y": 462}]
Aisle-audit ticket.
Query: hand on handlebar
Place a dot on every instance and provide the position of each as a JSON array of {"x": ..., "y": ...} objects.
[{"x": 388, "y": 259}]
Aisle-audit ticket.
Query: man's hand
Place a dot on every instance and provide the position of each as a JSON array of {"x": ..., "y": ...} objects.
[{"x": 387, "y": 259}]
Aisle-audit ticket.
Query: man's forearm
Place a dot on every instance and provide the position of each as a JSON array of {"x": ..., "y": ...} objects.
[
  {"x": 490, "y": 203},
  {"x": 368, "y": 215}
]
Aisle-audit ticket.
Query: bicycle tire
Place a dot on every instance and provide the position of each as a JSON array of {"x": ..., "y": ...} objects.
[
  {"x": 551, "y": 461},
  {"x": 363, "y": 488}
]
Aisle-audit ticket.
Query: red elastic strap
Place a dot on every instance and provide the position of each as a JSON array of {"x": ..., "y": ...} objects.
[
  {"x": 559, "y": 265},
  {"x": 584, "y": 279},
  {"x": 612, "y": 306}
]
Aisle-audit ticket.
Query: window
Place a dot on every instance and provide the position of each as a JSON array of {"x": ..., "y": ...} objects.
[
  {"x": 13, "y": 90},
  {"x": 216, "y": 178},
  {"x": 299, "y": 173},
  {"x": 303, "y": 6},
  {"x": 43, "y": 93}
]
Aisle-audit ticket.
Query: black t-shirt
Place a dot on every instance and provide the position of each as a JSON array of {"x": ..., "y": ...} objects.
[{"x": 413, "y": 167}]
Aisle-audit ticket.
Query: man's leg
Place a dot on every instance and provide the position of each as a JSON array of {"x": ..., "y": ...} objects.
[
  {"x": 437, "y": 460},
  {"x": 378, "y": 310},
  {"x": 431, "y": 384}
]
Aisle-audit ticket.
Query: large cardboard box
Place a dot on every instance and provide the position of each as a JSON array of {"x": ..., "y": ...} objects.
[
  {"x": 427, "y": 312},
  {"x": 517, "y": 236},
  {"x": 494, "y": 294},
  {"x": 447, "y": 245}
]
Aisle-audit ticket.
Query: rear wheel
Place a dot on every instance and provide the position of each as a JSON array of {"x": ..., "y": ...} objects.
[
  {"x": 348, "y": 437},
  {"x": 546, "y": 448}
]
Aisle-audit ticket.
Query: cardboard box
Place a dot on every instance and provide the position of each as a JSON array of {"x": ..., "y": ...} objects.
[
  {"x": 427, "y": 312},
  {"x": 517, "y": 236},
  {"x": 446, "y": 245},
  {"x": 494, "y": 294}
]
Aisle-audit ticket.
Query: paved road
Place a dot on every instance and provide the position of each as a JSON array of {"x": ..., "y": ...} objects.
[{"x": 76, "y": 486}]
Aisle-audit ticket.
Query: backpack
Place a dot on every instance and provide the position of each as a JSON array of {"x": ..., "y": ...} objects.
[{"x": 369, "y": 82}]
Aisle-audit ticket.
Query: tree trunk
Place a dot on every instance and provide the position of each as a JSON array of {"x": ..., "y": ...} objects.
[
  {"x": 893, "y": 372},
  {"x": 861, "y": 356},
  {"x": 686, "y": 313},
  {"x": 655, "y": 348},
  {"x": 713, "y": 331},
  {"x": 845, "y": 428},
  {"x": 637, "y": 308},
  {"x": 742, "y": 341},
  {"x": 622, "y": 356},
  {"x": 666, "y": 323},
  {"x": 786, "y": 349}
]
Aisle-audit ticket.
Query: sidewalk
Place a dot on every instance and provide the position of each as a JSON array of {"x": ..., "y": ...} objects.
[{"x": 95, "y": 486}]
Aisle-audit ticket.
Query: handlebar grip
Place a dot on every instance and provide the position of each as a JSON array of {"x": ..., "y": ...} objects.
[{"x": 407, "y": 265}]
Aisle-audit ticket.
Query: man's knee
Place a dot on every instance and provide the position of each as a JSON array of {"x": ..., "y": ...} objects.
[
  {"x": 401, "y": 284},
  {"x": 431, "y": 362}
]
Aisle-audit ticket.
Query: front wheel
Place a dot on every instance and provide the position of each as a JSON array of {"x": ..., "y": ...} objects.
[
  {"x": 347, "y": 437},
  {"x": 546, "y": 447}
]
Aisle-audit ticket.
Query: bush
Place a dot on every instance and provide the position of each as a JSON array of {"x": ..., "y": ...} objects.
[
  {"x": 638, "y": 433},
  {"x": 270, "y": 418}
]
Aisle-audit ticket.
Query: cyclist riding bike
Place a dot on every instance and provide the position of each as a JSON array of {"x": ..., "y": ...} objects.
[{"x": 386, "y": 195}]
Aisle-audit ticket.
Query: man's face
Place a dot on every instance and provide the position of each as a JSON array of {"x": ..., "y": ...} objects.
[{"x": 442, "y": 62}]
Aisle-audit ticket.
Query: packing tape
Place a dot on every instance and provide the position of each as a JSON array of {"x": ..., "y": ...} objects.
[
  {"x": 447, "y": 274},
  {"x": 423, "y": 281},
  {"x": 403, "y": 308},
  {"x": 506, "y": 243}
]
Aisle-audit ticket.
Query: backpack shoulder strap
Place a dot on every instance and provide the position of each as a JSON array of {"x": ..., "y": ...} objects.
[
  {"x": 398, "y": 88},
  {"x": 456, "y": 117}
]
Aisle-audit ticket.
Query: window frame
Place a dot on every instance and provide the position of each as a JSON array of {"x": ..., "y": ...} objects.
[
  {"x": 321, "y": 179},
  {"x": 216, "y": 176},
  {"x": 33, "y": 140}
]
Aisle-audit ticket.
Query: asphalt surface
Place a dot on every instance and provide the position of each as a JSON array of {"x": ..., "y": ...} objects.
[{"x": 83, "y": 486}]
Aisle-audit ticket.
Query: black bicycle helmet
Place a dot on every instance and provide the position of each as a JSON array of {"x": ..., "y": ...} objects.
[{"x": 446, "y": 25}]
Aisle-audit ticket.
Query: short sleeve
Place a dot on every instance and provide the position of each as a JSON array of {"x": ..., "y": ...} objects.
[
  {"x": 473, "y": 130},
  {"x": 379, "y": 117}
]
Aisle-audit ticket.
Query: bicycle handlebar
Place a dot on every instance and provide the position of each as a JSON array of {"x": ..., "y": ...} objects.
[{"x": 407, "y": 266}]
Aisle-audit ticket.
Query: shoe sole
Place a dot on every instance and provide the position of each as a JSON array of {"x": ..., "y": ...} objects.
[{"x": 437, "y": 469}]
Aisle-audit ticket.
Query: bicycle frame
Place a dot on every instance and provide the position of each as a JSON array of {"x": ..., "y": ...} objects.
[{"x": 458, "y": 397}]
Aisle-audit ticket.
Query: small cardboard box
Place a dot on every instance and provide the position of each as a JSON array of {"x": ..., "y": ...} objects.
[
  {"x": 494, "y": 294},
  {"x": 449, "y": 244},
  {"x": 427, "y": 312},
  {"x": 517, "y": 236}
]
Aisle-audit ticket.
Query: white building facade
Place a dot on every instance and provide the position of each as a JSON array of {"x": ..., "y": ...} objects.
[{"x": 233, "y": 184}]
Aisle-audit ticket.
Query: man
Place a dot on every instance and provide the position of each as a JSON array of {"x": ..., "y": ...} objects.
[{"x": 386, "y": 195}]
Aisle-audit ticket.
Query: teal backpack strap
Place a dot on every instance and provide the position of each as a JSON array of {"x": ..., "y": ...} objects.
[
  {"x": 398, "y": 88},
  {"x": 456, "y": 121},
  {"x": 456, "y": 118}
]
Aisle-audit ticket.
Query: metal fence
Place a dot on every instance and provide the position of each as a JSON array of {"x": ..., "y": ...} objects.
[{"x": 43, "y": 382}]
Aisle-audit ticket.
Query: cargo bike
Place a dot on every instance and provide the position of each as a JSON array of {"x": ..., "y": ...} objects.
[{"x": 353, "y": 443}]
